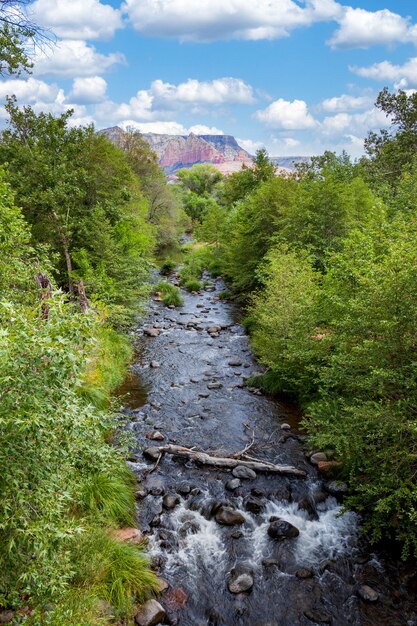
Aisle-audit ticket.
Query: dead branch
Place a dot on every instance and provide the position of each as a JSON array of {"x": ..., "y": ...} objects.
[
  {"x": 230, "y": 463},
  {"x": 45, "y": 293}
]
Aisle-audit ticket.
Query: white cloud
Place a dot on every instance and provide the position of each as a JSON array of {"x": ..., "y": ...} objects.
[
  {"x": 218, "y": 91},
  {"x": 359, "y": 28},
  {"x": 74, "y": 58},
  {"x": 200, "y": 129},
  {"x": 346, "y": 102},
  {"x": 402, "y": 75},
  {"x": 249, "y": 145},
  {"x": 290, "y": 142},
  {"x": 286, "y": 115},
  {"x": 357, "y": 123},
  {"x": 89, "y": 90},
  {"x": 29, "y": 91},
  {"x": 226, "y": 19},
  {"x": 77, "y": 19},
  {"x": 160, "y": 128}
]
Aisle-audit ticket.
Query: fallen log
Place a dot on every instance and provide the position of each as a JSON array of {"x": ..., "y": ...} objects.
[{"x": 230, "y": 463}]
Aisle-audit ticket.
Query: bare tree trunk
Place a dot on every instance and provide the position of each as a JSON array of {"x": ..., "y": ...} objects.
[
  {"x": 227, "y": 462},
  {"x": 45, "y": 288},
  {"x": 65, "y": 246},
  {"x": 84, "y": 306}
]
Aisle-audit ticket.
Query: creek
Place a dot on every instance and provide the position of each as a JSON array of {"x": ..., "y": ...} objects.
[{"x": 189, "y": 385}]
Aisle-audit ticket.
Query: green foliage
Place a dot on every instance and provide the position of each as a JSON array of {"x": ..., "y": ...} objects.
[
  {"x": 237, "y": 186},
  {"x": 199, "y": 188},
  {"x": 171, "y": 295},
  {"x": 80, "y": 196},
  {"x": 192, "y": 285},
  {"x": 167, "y": 267}
]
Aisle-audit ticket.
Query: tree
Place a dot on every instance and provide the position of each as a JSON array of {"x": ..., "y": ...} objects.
[
  {"x": 238, "y": 185},
  {"x": 200, "y": 179},
  {"x": 18, "y": 37}
]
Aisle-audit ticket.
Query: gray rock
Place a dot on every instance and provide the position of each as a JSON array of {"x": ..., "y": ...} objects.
[
  {"x": 170, "y": 501},
  {"x": 285, "y": 427},
  {"x": 204, "y": 394},
  {"x": 304, "y": 573},
  {"x": 150, "y": 614},
  {"x": 280, "y": 529},
  {"x": 233, "y": 484},
  {"x": 241, "y": 471},
  {"x": 318, "y": 616},
  {"x": 368, "y": 594},
  {"x": 253, "y": 504},
  {"x": 184, "y": 489},
  {"x": 318, "y": 457},
  {"x": 152, "y": 453},
  {"x": 235, "y": 363},
  {"x": 336, "y": 488},
  {"x": 155, "y": 364},
  {"x": 214, "y": 386},
  {"x": 141, "y": 494},
  {"x": 151, "y": 332},
  {"x": 243, "y": 582},
  {"x": 226, "y": 516}
]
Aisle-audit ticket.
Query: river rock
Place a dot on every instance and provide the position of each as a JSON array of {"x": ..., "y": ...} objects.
[
  {"x": 204, "y": 394},
  {"x": 318, "y": 616},
  {"x": 150, "y": 614},
  {"x": 155, "y": 364},
  {"x": 152, "y": 454},
  {"x": 285, "y": 427},
  {"x": 304, "y": 573},
  {"x": 368, "y": 594},
  {"x": 233, "y": 484},
  {"x": 155, "y": 436},
  {"x": 318, "y": 457},
  {"x": 170, "y": 501},
  {"x": 235, "y": 363},
  {"x": 241, "y": 579},
  {"x": 141, "y": 494},
  {"x": 336, "y": 488},
  {"x": 184, "y": 489},
  {"x": 151, "y": 332},
  {"x": 253, "y": 504},
  {"x": 6, "y": 617},
  {"x": 280, "y": 529},
  {"x": 214, "y": 386},
  {"x": 212, "y": 330},
  {"x": 226, "y": 516},
  {"x": 128, "y": 535},
  {"x": 241, "y": 471}
]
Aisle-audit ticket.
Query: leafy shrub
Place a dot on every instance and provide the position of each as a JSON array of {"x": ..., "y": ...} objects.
[
  {"x": 193, "y": 285},
  {"x": 167, "y": 267},
  {"x": 171, "y": 295}
]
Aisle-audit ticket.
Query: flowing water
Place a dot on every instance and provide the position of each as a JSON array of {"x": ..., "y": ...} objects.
[{"x": 195, "y": 395}]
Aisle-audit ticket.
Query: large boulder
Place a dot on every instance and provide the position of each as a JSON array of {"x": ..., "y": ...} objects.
[
  {"x": 280, "y": 529},
  {"x": 226, "y": 516},
  {"x": 241, "y": 579},
  {"x": 150, "y": 614}
]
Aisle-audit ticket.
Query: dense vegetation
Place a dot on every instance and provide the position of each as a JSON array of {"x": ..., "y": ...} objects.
[
  {"x": 79, "y": 225},
  {"x": 326, "y": 261}
]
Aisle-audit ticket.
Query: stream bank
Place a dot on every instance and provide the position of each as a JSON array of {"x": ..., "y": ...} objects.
[{"x": 209, "y": 531}]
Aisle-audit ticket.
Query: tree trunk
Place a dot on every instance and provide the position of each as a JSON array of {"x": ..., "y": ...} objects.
[{"x": 45, "y": 288}]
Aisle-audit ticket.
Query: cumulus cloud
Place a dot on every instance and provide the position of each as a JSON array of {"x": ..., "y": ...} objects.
[
  {"x": 219, "y": 91},
  {"x": 402, "y": 75},
  {"x": 160, "y": 128},
  {"x": 89, "y": 90},
  {"x": 74, "y": 57},
  {"x": 226, "y": 19},
  {"x": 201, "y": 129},
  {"x": 359, "y": 28},
  {"x": 357, "y": 123},
  {"x": 345, "y": 102},
  {"x": 286, "y": 115},
  {"x": 78, "y": 19},
  {"x": 290, "y": 142},
  {"x": 29, "y": 91},
  {"x": 249, "y": 145}
]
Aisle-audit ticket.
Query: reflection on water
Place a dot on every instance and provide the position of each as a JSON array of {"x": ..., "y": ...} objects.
[{"x": 133, "y": 391}]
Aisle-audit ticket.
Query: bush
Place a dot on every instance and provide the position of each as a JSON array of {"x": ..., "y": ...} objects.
[
  {"x": 193, "y": 285},
  {"x": 171, "y": 295},
  {"x": 167, "y": 267}
]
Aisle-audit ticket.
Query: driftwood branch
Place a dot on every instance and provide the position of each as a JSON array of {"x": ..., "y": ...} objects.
[{"x": 230, "y": 463}]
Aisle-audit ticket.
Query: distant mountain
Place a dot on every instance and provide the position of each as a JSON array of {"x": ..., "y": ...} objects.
[
  {"x": 290, "y": 162},
  {"x": 178, "y": 151}
]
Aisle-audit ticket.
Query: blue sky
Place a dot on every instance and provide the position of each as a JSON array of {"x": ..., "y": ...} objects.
[{"x": 296, "y": 76}]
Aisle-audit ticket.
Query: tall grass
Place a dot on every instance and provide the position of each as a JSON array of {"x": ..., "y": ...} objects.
[{"x": 170, "y": 294}]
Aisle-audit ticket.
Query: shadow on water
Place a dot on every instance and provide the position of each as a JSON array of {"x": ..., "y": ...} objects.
[{"x": 133, "y": 391}]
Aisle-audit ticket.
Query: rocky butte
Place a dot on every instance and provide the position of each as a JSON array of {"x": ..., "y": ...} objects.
[{"x": 180, "y": 151}]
